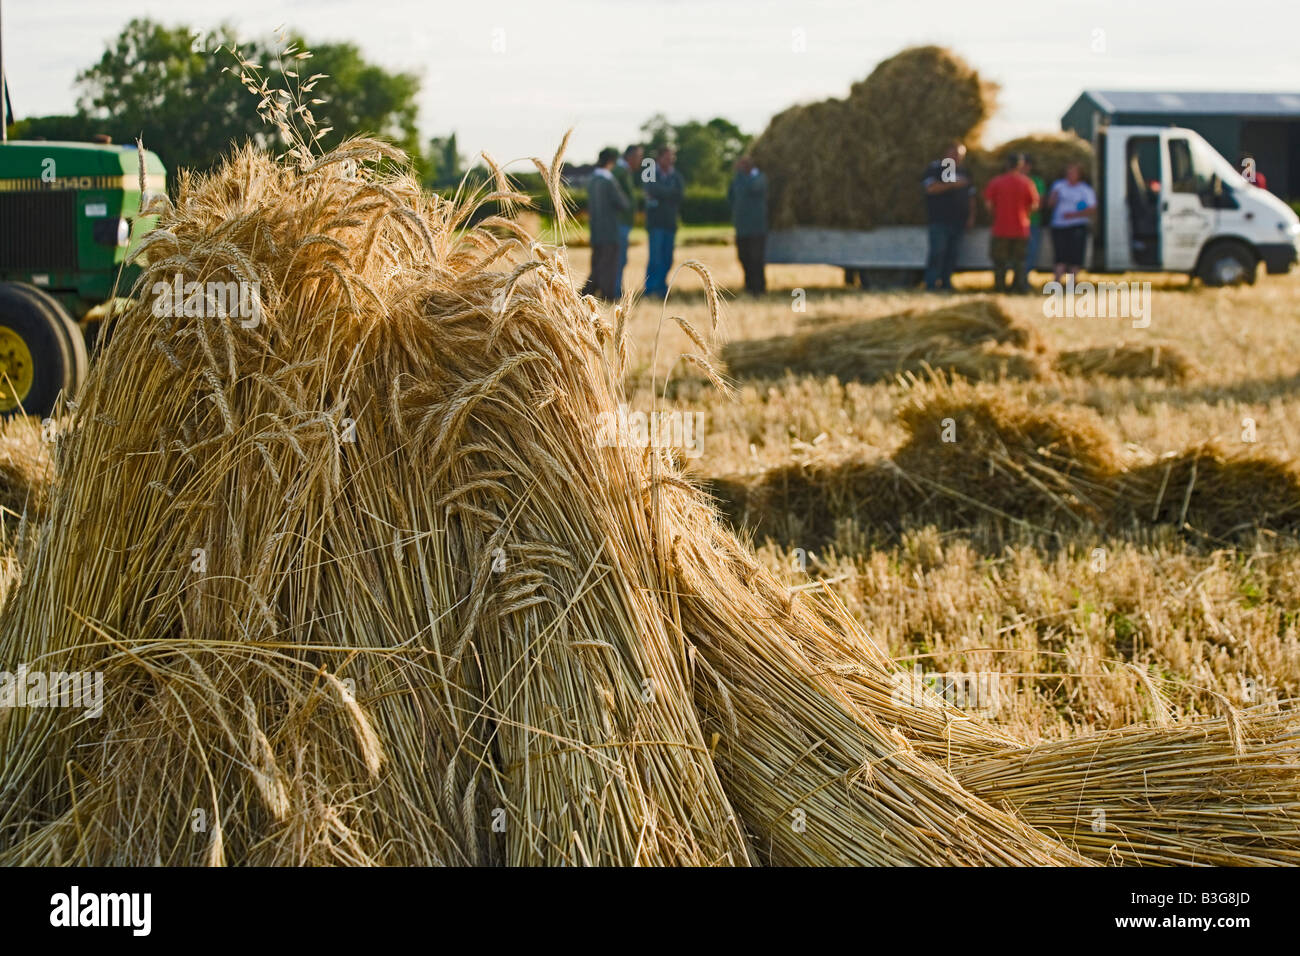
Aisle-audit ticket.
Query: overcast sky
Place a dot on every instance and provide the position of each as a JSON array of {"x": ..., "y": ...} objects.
[{"x": 510, "y": 76}]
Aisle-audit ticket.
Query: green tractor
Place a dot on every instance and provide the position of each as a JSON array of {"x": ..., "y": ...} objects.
[{"x": 68, "y": 220}]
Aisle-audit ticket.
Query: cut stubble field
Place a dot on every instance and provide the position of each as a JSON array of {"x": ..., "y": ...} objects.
[{"x": 1085, "y": 623}]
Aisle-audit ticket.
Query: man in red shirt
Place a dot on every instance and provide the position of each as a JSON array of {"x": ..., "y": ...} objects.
[{"x": 1010, "y": 198}]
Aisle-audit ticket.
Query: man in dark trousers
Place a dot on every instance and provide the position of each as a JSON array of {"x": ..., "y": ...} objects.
[
  {"x": 1010, "y": 198},
  {"x": 949, "y": 210},
  {"x": 663, "y": 202},
  {"x": 605, "y": 202},
  {"x": 748, "y": 197},
  {"x": 627, "y": 171}
]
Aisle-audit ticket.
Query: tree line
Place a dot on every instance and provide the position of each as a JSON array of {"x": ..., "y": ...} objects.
[{"x": 178, "y": 90}]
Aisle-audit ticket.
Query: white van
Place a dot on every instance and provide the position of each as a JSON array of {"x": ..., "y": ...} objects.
[{"x": 1169, "y": 203}]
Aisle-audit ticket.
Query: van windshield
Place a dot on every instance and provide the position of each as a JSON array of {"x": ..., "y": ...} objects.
[
  {"x": 1209, "y": 158},
  {"x": 1194, "y": 165}
]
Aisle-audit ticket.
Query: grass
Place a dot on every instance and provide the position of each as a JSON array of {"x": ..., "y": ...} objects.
[{"x": 574, "y": 233}]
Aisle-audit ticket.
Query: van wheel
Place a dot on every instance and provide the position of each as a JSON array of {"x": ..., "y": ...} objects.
[
  {"x": 1228, "y": 262},
  {"x": 38, "y": 359}
]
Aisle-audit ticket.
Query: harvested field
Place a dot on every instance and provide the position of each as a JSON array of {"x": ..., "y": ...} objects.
[
  {"x": 377, "y": 582},
  {"x": 976, "y": 452}
]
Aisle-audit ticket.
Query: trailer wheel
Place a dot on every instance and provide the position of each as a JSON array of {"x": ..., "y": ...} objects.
[
  {"x": 1228, "y": 262},
  {"x": 890, "y": 278},
  {"x": 37, "y": 356}
]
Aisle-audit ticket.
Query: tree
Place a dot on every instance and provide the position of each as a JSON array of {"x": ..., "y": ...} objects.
[
  {"x": 180, "y": 92},
  {"x": 705, "y": 151},
  {"x": 161, "y": 84},
  {"x": 363, "y": 98},
  {"x": 444, "y": 162},
  {"x": 658, "y": 133}
]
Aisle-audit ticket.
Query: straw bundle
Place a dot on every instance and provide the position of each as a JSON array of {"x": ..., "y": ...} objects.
[
  {"x": 971, "y": 451},
  {"x": 1014, "y": 461},
  {"x": 1212, "y": 487},
  {"x": 364, "y": 588},
  {"x": 993, "y": 451},
  {"x": 349, "y": 598},
  {"x": 1164, "y": 362},
  {"x": 975, "y": 338},
  {"x": 1206, "y": 792},
  {"x": 25, "y": 467},
  {"x": 867, "y": 793}
]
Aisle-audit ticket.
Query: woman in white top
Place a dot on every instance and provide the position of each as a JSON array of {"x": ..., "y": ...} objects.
[{"x": 1073, "y": 204}]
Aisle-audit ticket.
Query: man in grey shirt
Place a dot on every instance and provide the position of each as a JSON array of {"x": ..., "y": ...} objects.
[
  {"x": 748, "y": 197},
  {"x": 605, "y": 202}
]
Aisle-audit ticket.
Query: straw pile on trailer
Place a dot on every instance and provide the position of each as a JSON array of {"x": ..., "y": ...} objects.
[
  {"x": 873, "y": 145},
  {"x": 1050, "y": 152},
  {"x": 865, "y": 169}
]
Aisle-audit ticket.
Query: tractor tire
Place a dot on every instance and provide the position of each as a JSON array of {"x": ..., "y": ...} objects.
[
  {"x": 75, "y": 338},
  {"x": 38, "y": 360},
  {"x": 1228, "y": 262}
]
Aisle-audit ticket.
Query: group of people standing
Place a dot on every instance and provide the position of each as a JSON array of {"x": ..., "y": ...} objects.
[
  {"x": 1015, "y": 200},
  {"x": 622, "y": 186}
]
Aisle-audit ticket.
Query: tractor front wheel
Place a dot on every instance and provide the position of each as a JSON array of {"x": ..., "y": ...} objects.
[{"x": 39, "y": 355}]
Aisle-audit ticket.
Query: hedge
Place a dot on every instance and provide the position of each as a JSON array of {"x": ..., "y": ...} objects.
[{"x": 700, "y": 207}]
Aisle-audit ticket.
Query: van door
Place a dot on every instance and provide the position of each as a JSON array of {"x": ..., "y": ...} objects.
[
  {"x": 1142, "y": 200},
  {"x": 1186, "y": 218}
]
